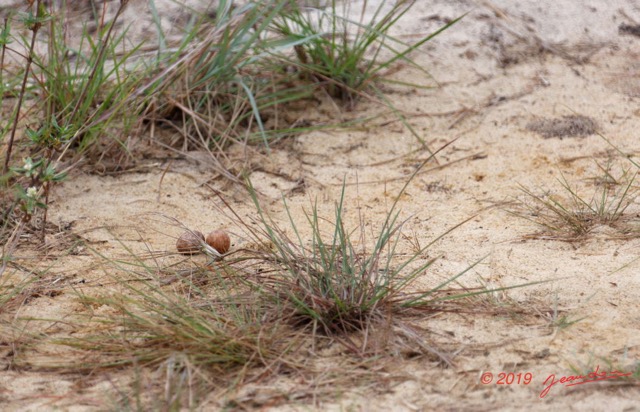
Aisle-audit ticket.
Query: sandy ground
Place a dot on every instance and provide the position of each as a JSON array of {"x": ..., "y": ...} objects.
[{"x": 504, "y": 66}]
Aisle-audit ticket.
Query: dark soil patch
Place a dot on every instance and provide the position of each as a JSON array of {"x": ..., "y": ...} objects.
[
  {"x": 631, "y": 29},
  {"x": 567, "y": 126}
]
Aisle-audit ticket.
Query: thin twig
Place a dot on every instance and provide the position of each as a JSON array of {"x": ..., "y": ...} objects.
[{"x": 35, "y": 29}]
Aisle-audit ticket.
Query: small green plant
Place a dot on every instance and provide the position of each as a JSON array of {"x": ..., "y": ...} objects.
[
  {"x": 41, "y": 173},
  {"x": 38, "y": 173},
  {"x": 573, "y": 217}
]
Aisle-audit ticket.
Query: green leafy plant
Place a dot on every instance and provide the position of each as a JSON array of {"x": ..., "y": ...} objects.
[{"x": 41, "y": 175}]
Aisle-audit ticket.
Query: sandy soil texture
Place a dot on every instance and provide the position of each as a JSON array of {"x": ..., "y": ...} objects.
[{"x": 525, "y": 94}]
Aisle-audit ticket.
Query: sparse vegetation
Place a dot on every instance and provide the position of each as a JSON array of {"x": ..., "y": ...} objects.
[
  {"x": 571, "y": 217},
  {"x": 208, "y": 323}
]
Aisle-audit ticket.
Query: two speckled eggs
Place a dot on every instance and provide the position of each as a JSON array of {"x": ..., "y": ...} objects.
[{"x": 191, "y": 242}]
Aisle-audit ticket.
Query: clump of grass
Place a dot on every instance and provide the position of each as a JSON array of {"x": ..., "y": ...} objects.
[
  {"x": 83, "y": 82},
  {"x": 213, "y": 90},
  {"x": 573, "y": 217},
  {"x": 212, "y": 329},
  {"x": 66, "y": 89},
  {"x": 339, "y": 282},
  {"x": 74, "y": 85},
  {"x": 149, "y": 325},
  {"x": 335, "y": 282},
  {"x": 347, "y": 56}
]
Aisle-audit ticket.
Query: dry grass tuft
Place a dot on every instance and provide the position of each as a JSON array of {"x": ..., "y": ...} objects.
[{"x": 571, "y": 217}]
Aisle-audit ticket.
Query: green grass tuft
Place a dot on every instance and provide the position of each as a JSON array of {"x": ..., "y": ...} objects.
[{"x": 347, "y": 56}]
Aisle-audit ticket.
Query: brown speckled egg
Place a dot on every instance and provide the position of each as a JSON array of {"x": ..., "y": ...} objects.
[
  {"x": 189, "y": 242},
  {"x": 219, "y": 240}
]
